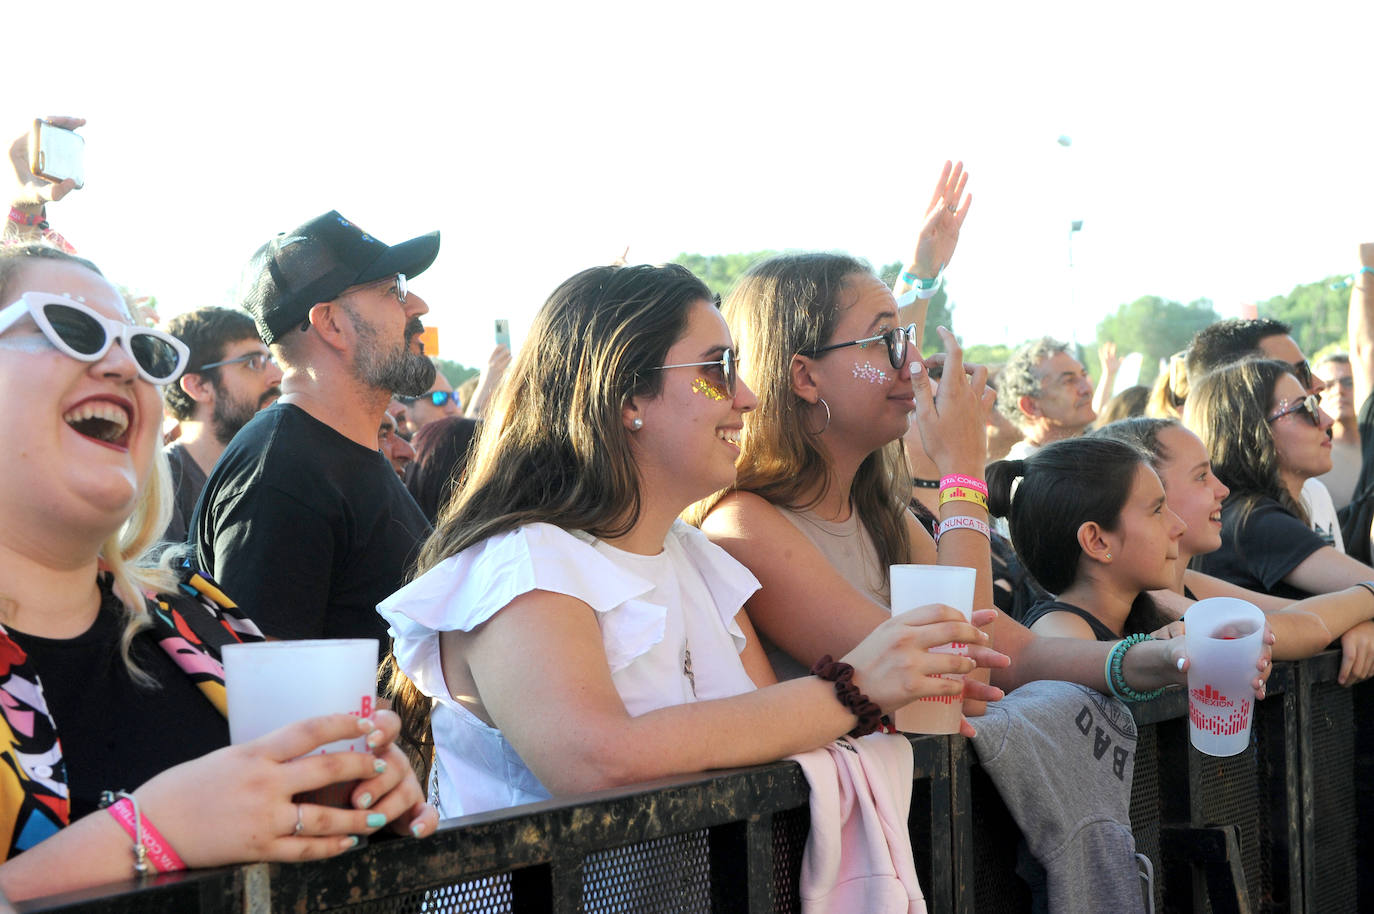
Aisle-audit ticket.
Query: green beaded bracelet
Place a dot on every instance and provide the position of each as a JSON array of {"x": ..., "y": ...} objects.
[{"x": 1116, "y": 679}]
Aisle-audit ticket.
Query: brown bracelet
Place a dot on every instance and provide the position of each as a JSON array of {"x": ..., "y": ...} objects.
[{"x": 842, "y": 674}]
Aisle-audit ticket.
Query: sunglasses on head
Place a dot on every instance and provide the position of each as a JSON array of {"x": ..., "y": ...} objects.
[
  {"x": 86, "y": 335},
  {"x": 1310, "y": 403},
  {"x": 728, "y": 363},
  {"x": 896, "y": 340}
]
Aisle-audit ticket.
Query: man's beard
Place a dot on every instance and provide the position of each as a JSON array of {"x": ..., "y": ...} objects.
[
  {"x": 230, "y": 415},
  {"x": 398, "y": 371}
]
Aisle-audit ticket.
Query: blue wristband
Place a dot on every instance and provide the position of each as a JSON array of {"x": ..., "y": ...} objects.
[{"x": 917, "y": 282}]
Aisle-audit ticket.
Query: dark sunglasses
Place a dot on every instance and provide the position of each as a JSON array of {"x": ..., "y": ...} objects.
[
  {"x": 1303, "y": 372},
  {"x": 728, "y": 364},
  {"x": 438, "y": 398},
  {"x": 1310, "y": 403},
  {"x": 86, "y": 335},
  {"x": 896, "y": 339}
]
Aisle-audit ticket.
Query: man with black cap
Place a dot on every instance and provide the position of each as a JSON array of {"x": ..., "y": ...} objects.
[{"x": 303, "y": 519}]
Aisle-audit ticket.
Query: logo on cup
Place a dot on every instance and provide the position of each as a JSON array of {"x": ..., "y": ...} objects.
[
  {"x": 364, "y": 707},
  {"x": 1211, "y": 697},
  {"x": 1238, "y": 721}
]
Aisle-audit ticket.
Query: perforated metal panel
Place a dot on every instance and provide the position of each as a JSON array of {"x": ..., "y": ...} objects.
[
  {"x": 1229, "y": 794},
  {"x": 790, "y": 829},
  {"x": 1333, "y": 842},
  {"x": 996, "y": 887},
  {"x": 669, "y": 875},
  {"x": 1145, "y": 804},
  {"x": 487, "y": 895}
]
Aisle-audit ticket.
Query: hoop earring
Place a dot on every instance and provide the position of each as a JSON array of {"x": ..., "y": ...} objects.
[{"x": 827, "y": 416}]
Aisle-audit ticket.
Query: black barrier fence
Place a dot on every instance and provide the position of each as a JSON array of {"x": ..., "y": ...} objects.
[{"x": 1280, "y": 827}]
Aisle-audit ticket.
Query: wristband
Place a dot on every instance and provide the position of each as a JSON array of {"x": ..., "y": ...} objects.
[
  {"x": 961, "y": 522},
  {"x": 1367, "y": 585},
  {"x": 958, "y": 493},
  {"x": 149, "y": 845},
  {"x": 920, "y": 483},
  {"x": 920, "y": 284},
  {"x": 855, "y": 702},
  {"x": 39, "y": 218},
  {"x": 954, "y": 480},
  {"x": 1365, "y": 270},
  {"x": 1116, "y": 678}
]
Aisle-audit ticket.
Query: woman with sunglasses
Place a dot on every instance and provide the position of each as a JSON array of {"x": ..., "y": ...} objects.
[
  {"x": 567, "y": 632},
  {"x": 110, "y": 669},
  {"x": 1266, "y": 436}
]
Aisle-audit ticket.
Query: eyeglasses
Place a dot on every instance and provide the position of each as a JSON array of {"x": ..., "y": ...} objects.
[
  {"x": 86, "y": 335},
  {"x": 896, "y": 339},
  {"x": 254, "y": 361},
  {"x": 1346, "y": 383},
  {"x": 1311, "y": 403},
  {"x": 1303, "y": 372},
  {"x": 728, "y": 364},
  {"x": 438, "y": 398},
  {"x": 401, "y": 288}
]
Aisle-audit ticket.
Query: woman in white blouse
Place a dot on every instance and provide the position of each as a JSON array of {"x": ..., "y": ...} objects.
[{"x": 567, "y": 632}]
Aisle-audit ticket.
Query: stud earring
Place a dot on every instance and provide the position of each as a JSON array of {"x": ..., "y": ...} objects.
[
  {"x": 636, "y": 423},
  {"x": 1109, "y": 556}
]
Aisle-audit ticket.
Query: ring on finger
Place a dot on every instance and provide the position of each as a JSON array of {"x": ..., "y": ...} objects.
[
  {"x": 300, "y": 820},
  {"x": 952, "y": 209}
]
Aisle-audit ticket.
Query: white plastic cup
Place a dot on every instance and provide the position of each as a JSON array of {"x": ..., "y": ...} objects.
[
  {"x": 1224, "y": 637},
  {"x": 274, "y": 683},
  {"x": 921, "y": 585}
]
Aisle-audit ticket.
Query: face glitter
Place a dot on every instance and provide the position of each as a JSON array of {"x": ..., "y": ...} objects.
[
  {"x": 867, "y": 371},
  {"x": 709, "y": 390}
]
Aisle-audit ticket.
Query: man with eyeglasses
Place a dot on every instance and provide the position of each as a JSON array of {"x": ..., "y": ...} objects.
[
  {"x": 303, "y": 518},
  {"x": 1338, "y": 400},
  {"x": 1239, "y": 338},
  {"x": 435, "y": 404},
  {"x": 230, "y": 375}
]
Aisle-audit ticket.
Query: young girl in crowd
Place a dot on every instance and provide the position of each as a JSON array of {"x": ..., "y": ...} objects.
[
  {"x": 566, "y": 630},
  {"x": 1196, "y": 495},
  {"x": 109, "y": 690},
  {"x": 1266, "y": 436}
]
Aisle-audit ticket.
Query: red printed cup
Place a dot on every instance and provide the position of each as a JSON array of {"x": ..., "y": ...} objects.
[
  {"x": 1224, "y": 637},
  {"x": 921, "y": 585},
  {"x": 270, "y": 684}
]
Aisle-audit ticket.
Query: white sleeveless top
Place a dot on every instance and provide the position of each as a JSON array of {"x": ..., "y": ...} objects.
[{"x": 652, "y": 611}]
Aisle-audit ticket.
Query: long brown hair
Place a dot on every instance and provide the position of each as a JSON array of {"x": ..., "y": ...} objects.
[
  {"x": 1229, "y": 410},
  {"x": 554, "y": 447},
  {"x": 782, "y": 306}
]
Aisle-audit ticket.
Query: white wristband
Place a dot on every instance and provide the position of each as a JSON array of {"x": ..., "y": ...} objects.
[{"x": 962, "y": 522}]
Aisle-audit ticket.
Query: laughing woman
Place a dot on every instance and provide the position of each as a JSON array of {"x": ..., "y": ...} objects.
[
  {"x": 567, "y": 632},
  {"x": 110, "y": 670}
]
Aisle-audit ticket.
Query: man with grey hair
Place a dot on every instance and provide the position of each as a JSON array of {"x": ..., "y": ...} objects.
[{"x": 1046, "y": 392}]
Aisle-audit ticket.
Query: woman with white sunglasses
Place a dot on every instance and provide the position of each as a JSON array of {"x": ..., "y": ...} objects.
[{"x": 114, "y": 692}]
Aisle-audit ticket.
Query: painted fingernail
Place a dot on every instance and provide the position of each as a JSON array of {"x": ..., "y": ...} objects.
[
  {"x": 350, "y": 841},
  {"x": 374, "y": 739},
  {"x": 417, "y": 829},
  {"x": 917, "y": 367},
  {"x": 365, "y": 724},
  {"x": 1180, "y": 663},
  {"x": 379, "y": 766},
  {"x": 365, "y": 801},
  {"x": 375, "y": 820}
]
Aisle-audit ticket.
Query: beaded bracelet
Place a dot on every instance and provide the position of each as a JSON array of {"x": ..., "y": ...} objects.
[
  {"x": 149, "y": 845},
  {"x": 957, "y": 493},
  {"x": 920, "y": 483},
  {"x": 1116, "y": 678},
  {"x": 855, "y": 702},
  {"x": 961, "y": 522}
]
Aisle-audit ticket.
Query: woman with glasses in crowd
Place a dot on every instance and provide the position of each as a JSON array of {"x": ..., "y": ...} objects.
[
  {"x": 566, "y": 631},
  {"x": 110, "y": 671},
  {"x": 820, "y": 508},
  {"x": 1266, "y": 436}
]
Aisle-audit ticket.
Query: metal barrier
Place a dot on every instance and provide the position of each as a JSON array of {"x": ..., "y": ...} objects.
[{"x": 1276, "y": 828}]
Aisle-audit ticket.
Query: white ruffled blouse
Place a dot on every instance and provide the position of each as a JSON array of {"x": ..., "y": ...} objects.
[{"x": 667, "y": 622}]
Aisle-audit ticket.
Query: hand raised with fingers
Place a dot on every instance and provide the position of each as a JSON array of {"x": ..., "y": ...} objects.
[
  {"x": 944, "y": 218},
  {"x": 31, "y": 190},
  {"x": 952, "y": 420}
]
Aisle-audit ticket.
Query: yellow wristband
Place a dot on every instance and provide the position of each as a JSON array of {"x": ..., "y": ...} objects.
[{"x": 962, "y": 493}]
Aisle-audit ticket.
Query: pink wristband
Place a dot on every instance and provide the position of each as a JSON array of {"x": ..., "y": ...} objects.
[
  {"x": 961, "y": 522},
  {"x": 968, "y": 482},
  {"x": 160, "y": 853}
]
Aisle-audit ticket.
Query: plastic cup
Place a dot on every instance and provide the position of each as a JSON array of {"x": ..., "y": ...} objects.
[
  {"x": 270, "y": 684},
  {"x": 921, "y": 585},
  {"x": 1224, "y": 637}
]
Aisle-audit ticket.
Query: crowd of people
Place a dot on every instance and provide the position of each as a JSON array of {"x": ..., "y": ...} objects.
[{"x": 668, "y": 518}]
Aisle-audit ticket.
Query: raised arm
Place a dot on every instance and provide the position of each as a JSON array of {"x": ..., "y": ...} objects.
[
  {"x": 939, "y": 235},
  {"x": 31, "y": 194},
  {"x": 1360, "y": 325}
]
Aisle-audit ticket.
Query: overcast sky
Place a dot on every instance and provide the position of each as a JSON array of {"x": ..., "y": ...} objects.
[{"x": 1219, "y": 150}]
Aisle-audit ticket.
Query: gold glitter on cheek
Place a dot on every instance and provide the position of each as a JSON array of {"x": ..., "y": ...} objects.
[{"x": 709, "y": 390}]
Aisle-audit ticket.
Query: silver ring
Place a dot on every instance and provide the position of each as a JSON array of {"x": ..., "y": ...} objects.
[
  {"x": 300, "y": 820},
  {"x": 952, "y": 209}
]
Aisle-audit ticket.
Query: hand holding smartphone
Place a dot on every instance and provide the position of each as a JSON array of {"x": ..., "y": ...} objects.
[
  {"x": 56, "y": 154},
  {"x": 503, "y": 332}
]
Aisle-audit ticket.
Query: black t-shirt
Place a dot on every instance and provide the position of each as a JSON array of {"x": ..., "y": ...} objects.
[
  {"x": 1365, "y": 423},
  {"x": 1260, "y": 553},
  {"x": 1100, "y": 631},
  {"x": 116, "y": 734},
  {"x": 187, "y": 481},
  {"x": 308, "y": 530}
]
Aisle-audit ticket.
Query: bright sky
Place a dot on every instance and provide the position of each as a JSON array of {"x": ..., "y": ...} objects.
[{"x": 1218, "y": 149}]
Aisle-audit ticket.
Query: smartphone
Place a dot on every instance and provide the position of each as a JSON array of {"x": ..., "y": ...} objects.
[
  {"x": 56, "y": 153},
  {"x": 503, "y": 332}
]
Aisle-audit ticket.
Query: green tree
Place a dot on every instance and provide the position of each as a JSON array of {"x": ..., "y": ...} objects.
[
  {"x": 1316, "y": 312},
  {"x": 1156, "y": 328},
  {"x": 456, "y": 372},
  {"x": 939, "y": 313},
  {"x": 719, "y": 271}
]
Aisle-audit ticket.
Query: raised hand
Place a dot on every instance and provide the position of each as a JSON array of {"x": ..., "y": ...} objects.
[
  {"x": 31, "y": 190},
  {"x": 944, "y": 217}
]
